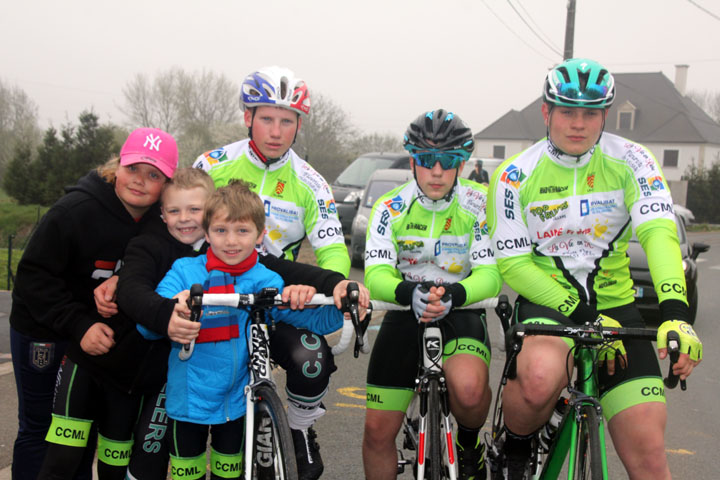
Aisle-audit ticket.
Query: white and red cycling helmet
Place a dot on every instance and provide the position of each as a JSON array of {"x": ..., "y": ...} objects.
[{"x": 275, "y": 87}]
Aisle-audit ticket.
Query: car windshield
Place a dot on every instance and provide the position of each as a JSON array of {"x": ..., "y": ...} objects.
[
  {"x": 680, "y": 231},
  {"x": 358, "y": 172},
  {"x": 377, "y": 189}
]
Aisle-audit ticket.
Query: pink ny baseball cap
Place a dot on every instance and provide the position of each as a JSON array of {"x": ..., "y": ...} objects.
[{"x": 151, "y": 146}]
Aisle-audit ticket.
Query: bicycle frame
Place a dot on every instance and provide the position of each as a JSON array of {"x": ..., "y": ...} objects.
[
  {"x": 566, "y": 438},
  {"x": 584, "y": 404},
  {"x": 260, "y": 373},
  {"x": 431, "y": 376}
]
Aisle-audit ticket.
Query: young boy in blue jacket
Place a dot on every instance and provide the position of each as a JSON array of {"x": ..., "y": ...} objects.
[{"x": 206, "y": 392}]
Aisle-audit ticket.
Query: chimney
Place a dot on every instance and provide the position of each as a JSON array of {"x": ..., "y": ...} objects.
[{"x": 681, "y": 72}]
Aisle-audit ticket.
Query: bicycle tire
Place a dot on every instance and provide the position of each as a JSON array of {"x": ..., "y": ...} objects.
[
  {"x": 588, "y": 463},
  {"x": 435, "y": 437},
  {"x": 273, "y": 458}
]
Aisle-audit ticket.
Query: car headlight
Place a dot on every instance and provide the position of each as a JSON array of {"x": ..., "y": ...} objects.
[{"x": 352, "y": 196}]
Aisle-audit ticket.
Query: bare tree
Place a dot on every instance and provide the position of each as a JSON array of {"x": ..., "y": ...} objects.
[
  {"x": 181, "y": 102},
  {"x": 18, "y": 123},
  {"x": 708, "y": 101},
  {"x": 376, "y": 142},
  {"x": 325, "y": 137}
]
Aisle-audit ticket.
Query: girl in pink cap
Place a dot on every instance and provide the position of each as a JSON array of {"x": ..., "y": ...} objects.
[{"x": 55, "y": 324}]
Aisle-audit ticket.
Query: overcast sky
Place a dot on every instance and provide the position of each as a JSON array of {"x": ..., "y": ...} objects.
[{"x": 383, "y": 61}]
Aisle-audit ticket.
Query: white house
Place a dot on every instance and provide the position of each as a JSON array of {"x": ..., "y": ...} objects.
[{"x": 648, "y": 109}]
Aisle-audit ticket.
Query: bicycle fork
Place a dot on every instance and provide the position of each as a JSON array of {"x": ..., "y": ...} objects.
[
  {"x": 432, "y": 361},
  {"x": 260, "y": 371}
]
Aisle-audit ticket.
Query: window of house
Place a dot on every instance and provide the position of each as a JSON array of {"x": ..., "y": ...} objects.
[
  {"x": 670, "y": 158},
  {"x": 625, "y": 121},
  {"x": 499, "y": 151},
  {"x": 626, "y": 116}
]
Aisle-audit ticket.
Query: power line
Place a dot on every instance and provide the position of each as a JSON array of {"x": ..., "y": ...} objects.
[
  {"x": 532, "y": 30},
  {"x": 553, "y": 60},
  {"x": 704, "y": 10},
  {"x": 536, "y": 24}
]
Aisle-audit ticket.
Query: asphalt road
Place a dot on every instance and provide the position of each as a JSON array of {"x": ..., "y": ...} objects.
[{"x": 693, "y": 431}]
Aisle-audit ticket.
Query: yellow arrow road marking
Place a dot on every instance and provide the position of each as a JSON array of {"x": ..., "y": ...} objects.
[
  {"x": 680, "y": 451},
  {"x": 351, "y": 392},
  {"x": 349, "y": 405}
]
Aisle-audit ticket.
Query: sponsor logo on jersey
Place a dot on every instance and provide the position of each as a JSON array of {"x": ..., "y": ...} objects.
[
  {"x": 656, "y": 183},
  {"x": 480, "y": 229},
  {"x": 590, "y": 180},
  {"x": 322, "y": 209},
  {"x": 553, "y": 189},
  {"x": 644, "y": 187},
  {"x": 215, "y": 156},
  {"x": 280, "y": 187},
  {"x": 656, "y": 207},
  {"x": 396, "y": 205},
  {"x": 331, "y": 207},
  {"x": 448, "y": 222},
  {"x": 512, "y": 176},
  {"x": 596, "y": 207},
  {"x": 509, "y": 204},
  {"x": 547, "y": 212},
  {"x": 409, "y": 245},
  {"x": 283, "y": 214},
  {"x": 513, "y": 243},
  {"x": 416, "y": 226}
]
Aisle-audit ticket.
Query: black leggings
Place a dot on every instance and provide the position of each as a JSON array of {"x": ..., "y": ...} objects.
[{"x": 81, "y": 400}]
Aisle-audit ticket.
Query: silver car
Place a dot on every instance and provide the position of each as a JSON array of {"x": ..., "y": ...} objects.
[{"x": 380, "y": 182}]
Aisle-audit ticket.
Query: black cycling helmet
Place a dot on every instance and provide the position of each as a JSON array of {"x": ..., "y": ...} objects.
[{"x": 438, "y": 130}]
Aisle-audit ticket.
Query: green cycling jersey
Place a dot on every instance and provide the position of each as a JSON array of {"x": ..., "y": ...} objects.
[
  {"x": 298, "y": 202},
  {"x": 561, "y": 224},
  {"x": 413, "y": 239}
]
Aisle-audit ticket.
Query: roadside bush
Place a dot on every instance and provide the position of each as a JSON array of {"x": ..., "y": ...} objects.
[{"x": 703, "y": 196}]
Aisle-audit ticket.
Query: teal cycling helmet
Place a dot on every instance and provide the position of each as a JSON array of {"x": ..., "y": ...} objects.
[{"x": 579, "y": 82}]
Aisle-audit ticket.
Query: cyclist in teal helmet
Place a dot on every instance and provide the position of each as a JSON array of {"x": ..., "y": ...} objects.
[{"x": 561, "y": 214}]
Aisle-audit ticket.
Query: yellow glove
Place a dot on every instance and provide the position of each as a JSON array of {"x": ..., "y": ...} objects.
[
  {"x": 689, "y": 341},
  {"x": 608, "y": 351}
]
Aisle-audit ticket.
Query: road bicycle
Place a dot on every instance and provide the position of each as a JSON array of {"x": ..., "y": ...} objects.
[
  {"x": 580, "y": 434},
  {"x": 428, "y": 425},
  {"x": 269, "y": 451}
]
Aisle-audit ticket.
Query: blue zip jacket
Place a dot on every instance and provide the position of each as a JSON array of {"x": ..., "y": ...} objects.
[{"x": 208, "y": 388}]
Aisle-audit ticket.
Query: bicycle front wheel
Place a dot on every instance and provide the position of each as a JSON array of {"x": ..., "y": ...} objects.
[
  {"x": 588, "y": 460},
  {"x": 273, "y": 454}
]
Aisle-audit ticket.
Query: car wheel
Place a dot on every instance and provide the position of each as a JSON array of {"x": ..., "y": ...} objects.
[{"x": 693, "y": 304}]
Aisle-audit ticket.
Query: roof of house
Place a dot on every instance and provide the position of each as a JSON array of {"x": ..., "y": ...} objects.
[{"x": 662, "y": 115}]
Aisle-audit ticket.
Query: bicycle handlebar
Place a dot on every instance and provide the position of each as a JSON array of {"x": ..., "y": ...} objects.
[
  {"x": 592, "y": 335},
  {"x": 387, "y": 306},
  {"x": 270, "y": 298}
]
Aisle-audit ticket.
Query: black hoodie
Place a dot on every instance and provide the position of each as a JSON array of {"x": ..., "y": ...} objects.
[{"x": 78, "y": 244}]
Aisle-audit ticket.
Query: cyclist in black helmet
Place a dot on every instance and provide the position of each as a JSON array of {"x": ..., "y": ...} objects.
[{"x": 428, "y": 247}]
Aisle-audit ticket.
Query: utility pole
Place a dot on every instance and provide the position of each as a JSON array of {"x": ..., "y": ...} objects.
[{"x": 569, "y": 30}]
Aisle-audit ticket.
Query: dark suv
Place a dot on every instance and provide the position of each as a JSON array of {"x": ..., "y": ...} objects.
[
  {"x": 348, "y": 186},
  {"x": 645, "y": 295}
]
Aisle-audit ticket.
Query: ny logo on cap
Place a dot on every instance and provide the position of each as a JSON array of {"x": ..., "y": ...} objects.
[{"x": 153, "y": 141}]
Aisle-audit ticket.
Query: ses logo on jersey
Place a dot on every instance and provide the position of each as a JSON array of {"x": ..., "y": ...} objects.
[
  {"x": 326, "y": 208},
  {"x": 512, "y": 176},
  {"x": 656, "y": 183},
  {"x": 396, "y": 205},
  {"x": 215, "y": 156}
]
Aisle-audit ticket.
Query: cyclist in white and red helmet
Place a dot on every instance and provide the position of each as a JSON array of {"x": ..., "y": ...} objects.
[{"x": 298, "y": 204}]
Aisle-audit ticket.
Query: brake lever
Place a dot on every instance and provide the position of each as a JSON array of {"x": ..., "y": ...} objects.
[{"x": 673, "y": 348}]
